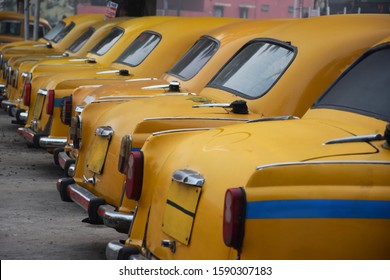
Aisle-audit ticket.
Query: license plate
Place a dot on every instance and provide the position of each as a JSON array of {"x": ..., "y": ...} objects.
[
  {"x": 98, "y": 153},
  {"x": 180, "y": 211},
  {"x": 40, "y": 100}
]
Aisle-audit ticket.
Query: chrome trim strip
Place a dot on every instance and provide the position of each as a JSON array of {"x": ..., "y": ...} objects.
[
  {"x": 209, "y": 105},
  {"x": 88, "y": 59},
  {"x": 195, "y": 118},
  {"x": 276, "y": 118},
  {"x": 357, "y": 138},
  {"x": 107, "y": 72},
  {"x": 47, "y": 142},
  {"x": 162, "y": 86},
  {"x": 261, "y": 167},
  {"x": 188, "y": 177},
  {"x": 181, "y": 130}
]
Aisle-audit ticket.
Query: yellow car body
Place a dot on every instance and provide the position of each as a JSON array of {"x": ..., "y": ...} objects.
[
  {"x": 102, "y": 130},
  {"x": 77, "y": 50},
  {"x": 310, "y": 188},
  {"x": 160, "y": 45},
  {"x": 12, "y": 27}
]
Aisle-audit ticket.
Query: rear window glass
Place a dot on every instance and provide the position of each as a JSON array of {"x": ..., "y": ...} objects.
[
  {"x": 65, "y": 31},
  {"x": 107, "y": 42},
  {"x": 364, "y": 88},
  {"x": 77, "y": 45},
  {"x": 10, "y": 27},
  {"x": 139, "y": 49},
  {"x": 54, "y": 31},
  {"x": 254, "y": 69},
  {"x": 41, "y": 30},
  {"x": 191, "y": 63}
]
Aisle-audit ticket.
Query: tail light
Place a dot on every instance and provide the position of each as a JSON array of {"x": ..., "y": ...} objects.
[
  {"x": 234, "y": 217},
  {"x": 27, "y": 94},
  {"x": 124, "y": 153},
  {"x": 50, "y": 102},
  {"x": 134, "y": 175},
  {"x": 75, "y": 131},
  {"x": 66, "y": 110}
]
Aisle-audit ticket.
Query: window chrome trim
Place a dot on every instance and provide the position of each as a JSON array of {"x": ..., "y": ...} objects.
[
  {"x": 356, "y": 138},
  {"x": 181, "y": 130}
]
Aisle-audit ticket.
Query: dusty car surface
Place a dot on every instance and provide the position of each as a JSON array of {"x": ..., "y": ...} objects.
[
  {"x": 226, "y": 100},
  {"x": 12, "y": 27},
  {"x": 23, "y": 65},
  {"x": 313, "y": 188},
  {"x": 160, "y": 45}
]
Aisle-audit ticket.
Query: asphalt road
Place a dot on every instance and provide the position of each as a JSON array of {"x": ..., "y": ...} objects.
[{"x": 35, "y": 223}]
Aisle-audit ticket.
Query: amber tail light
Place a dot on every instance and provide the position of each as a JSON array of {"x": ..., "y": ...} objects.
[
  {"x": 27, "y": 94},
  {"x": 66, "y": 110},
  {"x": 124, "y": 153},
  {"x": 134, "y": 175},
  {"x": 50, "y": 102},
  {"x": 234, "y": 217}
]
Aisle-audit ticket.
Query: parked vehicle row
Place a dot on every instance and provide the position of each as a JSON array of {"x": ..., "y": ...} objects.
[{"x": 232, "y": 139}]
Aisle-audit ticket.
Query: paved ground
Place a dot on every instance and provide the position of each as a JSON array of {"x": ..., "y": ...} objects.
[{"x": 35, "y": 223}]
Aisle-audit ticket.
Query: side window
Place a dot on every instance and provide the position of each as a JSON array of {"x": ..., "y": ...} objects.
[
  {"x": 139, "y": 49},
  {"x": 254, "y": 69},
  {"x": 192, "y": 61},
  {"x": 107, "y": 42},
  {"x": 79, "y": 43}
]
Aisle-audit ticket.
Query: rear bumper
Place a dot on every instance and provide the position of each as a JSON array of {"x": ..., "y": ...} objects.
[
  {"x": 41, "y": 140},
  {"x": 116, "y": 250},
  {"x": 96, "y": 207}
]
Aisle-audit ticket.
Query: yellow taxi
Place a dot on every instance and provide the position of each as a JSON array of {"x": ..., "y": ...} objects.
[
  {"x": 258, "y": 82},
  {"x": 160, "y": 45},
  {"x": 12, "y": 27},
  {"x": 276, "y": 188},
  {"x": 77, "y": 50},
  {"x": 55, "y": 42}
]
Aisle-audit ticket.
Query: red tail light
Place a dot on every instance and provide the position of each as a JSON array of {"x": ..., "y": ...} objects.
[
  {"x": 66, "y": 110},
  {"x": 234, "y": 217},
  {"x": 50, "y": 102},
  {"x": 134, "y": 175},
  {"x": 27, "y": 94}
]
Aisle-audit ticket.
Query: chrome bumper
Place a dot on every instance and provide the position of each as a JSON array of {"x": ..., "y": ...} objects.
[
  {"x": 96, "y": 207},
  {"x": 41, "y": 140},
  {"x": 116, "y": 250},
  {"x": 5, "y": 104},
  {"x": 47, "y": 142}
]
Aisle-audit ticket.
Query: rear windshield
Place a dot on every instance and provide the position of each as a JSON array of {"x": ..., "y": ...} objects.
[
  {"x": 364, "y": 88},
  {"x": 41, "y": 30},
  {"x": 254, "y": 69},
  {"x": 139, "y": 49},
  {"x": 107, "y": 42},
  {"x": 77, "y": 45},
  {"x": 193, "y": 61},
  {"x": 54, "y": 31},
  {"x": 65, "y": 31}
]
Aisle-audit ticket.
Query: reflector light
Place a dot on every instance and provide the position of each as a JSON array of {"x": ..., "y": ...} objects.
[
  {"x": 134, "y": 175},
  {"x": 27, "y": 94},
  {"x": 50, "y": 102},
  {"x": 124, "y": 153},
  {"x": 234, "y": 217}
]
